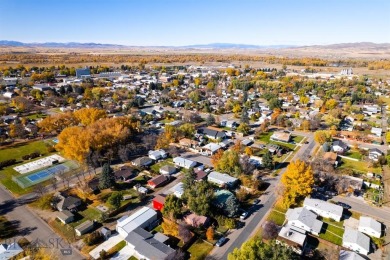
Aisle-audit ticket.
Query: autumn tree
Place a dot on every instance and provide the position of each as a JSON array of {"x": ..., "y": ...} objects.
[
  {"x": 57, "y": 122},
  {"x": 244, "y": 128},
  {"x": 229, "y": 163},
  {"x": 87, "y": 116},
  {"x": 170, "y": 228},
  {"x": 210, "y": 233},
  {"x": 256, "y": 249},
  {"x": 216, "y": 157},
  {"x": 297, "y": 182},
  {"x": 322, "y": 136},
  {"x": 270, "y": 230},
  {"x": 184, "y": 233}
]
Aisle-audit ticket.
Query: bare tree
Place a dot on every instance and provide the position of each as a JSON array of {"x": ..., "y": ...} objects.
[
  {"x": 270, "y": 230},
  {"x": 54, "y": 182},
  {"x": 184, "y": 233},
  {"x": 40, "y": 189}
]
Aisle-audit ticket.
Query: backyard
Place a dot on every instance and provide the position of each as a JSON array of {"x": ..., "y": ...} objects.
[
  {"x": 200, "y": 249},
  {"x": 359, "y": 166},
  {"x": 332, "y": 231}
]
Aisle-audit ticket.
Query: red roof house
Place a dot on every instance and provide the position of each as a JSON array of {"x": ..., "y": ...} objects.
[
  {"x": 158, "y": 181},
  {"x": 158, "y": 202}
]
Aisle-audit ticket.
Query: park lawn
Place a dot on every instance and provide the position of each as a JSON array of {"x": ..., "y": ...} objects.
[
  {"x": 199, "y": 250},
  {"x": 19, "y": 150},
  {"x": 297, "y": 138},
  {"x": 359, "y": 166},
  {"x": 156, "y": 167},
  {"x": 265, "y": 137},
  {"x": 354, "y": 154}
]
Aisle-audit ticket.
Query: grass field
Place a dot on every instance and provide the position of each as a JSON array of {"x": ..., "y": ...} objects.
[
  {"x": 297, "y": 138},
  {"x": 17, "y": 152},
  {"x": 354, "y": 154},
  {"x": 156, "y": 167},
  {"x": 359, "y": 166},
  {"x": 265, "y": 137},
  {"x": 199, "y": 250}
]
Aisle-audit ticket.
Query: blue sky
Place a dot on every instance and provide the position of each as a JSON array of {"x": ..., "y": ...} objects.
[{"x": 186, "y": 22}]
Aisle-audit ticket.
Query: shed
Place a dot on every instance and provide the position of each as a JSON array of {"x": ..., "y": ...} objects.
[
  {"x": 158, "y": 201},
  {"x": 84, "y": 227}
]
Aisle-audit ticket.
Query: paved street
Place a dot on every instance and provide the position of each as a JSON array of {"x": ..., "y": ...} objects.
[
  {"x": 238, "y": 237},
  {"x": 30, "y": 225}
]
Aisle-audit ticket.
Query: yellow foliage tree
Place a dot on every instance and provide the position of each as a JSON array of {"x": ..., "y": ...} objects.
[
  {"x": 248, "y": 151},
  {"x": 210, "y": 233},
  {"x": 170, "y": 228},
  {"x": 297, "y": 182},
  {"x": 74, "y": 142},
  {"x": 58, "y": 122},
  {"x": 216, "y": 157},
  {"x": 322, "y": 136},
  {"x": 87, "y": 116}
]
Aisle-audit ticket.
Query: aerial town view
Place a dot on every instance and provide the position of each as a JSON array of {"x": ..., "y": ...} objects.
[{"x": 194, "y": 129}]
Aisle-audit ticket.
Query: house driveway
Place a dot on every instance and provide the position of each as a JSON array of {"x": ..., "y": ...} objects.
[
  {"x": 106, "y": 245},
  {"x": 124, "y": 254}
]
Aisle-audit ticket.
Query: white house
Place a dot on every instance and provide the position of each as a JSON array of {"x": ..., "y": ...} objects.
[
  {"x": 349, "y": 255},
  {"x": 183, "y": 162},
  {"x": 9, "y": 251},
  {"x": 143, "y": 218},
  {"x": 324, "y": 209},
  {"x": 221, "y": 179},
  {"x": 339, "y": 146},
  {"x": 157, "y": 155},
  {"x": 304, "y": 219},
  {"x": 376, "y": 131},
  {"x": 293, "y": 237},
  {"x": 356, "y": 241},
  {"x": 177, "y": 190},
  {"x": 210, "y": 148},
  {"x": 370, "y": 227},
  {"x": 167, "y": 170},
  {"x": 374, "y": 154}
]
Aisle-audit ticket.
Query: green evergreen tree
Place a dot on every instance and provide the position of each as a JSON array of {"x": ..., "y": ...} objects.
[
  {"x": 115, "y": 199},
  {"x": 268, "y": 161},
  {"x": 106, "y": 179}
]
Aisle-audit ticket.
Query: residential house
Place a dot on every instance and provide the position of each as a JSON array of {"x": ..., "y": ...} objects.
[
  {"x": 177, "y": 190},
  {"x": 376, "y": 131},
  {"x": 374, "y": 154},
  {"x": 183, "y": 162},
  {"x": 143, "y": 218},
  {"x": 158, "y": 201},
  {"x": 158, "y": 154},
  {"x": 93, "y": 185},
  {"x": 167, "y": 170},
  {"x": 124, "y": 173},
  {"x": 188, "y": 143},
  {"x": 324, "y": 209},
  {"x": 356, "y": 241},
  {"x": 273, "y": 148},
  {"x": 68, "y": 203},
  {"x": 221, "y": 179},
  {"x": 339, "y": 147},
  {"x": 200, "y": 174},
  {"x": 142, "y": 162},
  {"x": 84, "y": 227},
  {"x": 281, "y": 137},
  {"x": 196, "y": 221},
  {"x": 212, "y": 133},
  {"x": 370, "y": 226},
  {"x": 349, "y": 255},
  {"x": 304, "y": 219},
  {"x": 331, "y": 157},
  {"x": 158, "y": 181},
  {"x": 7, "y": 251},
  {"x": 210, "y": 148},
  {"x": 147, "y": 246},
  {"x": 247, "y": 142},
  {"x": 65, "y": 216},
  {"x": 293, "y": 237}
]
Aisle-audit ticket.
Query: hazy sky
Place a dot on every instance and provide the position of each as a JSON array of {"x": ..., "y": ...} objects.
[{"x": 186, "y": 22}]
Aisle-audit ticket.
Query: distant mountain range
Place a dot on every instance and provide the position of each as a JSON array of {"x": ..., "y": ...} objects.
[{"x": 360, "y": 45}]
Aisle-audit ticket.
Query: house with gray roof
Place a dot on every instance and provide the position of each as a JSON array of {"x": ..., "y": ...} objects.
[
  {"x": 147, "y": 246},
  {"x": 68, "y": 203},
  {"x": 370, "y": 227},
  {"x": 324, "y": 209},
  {"x": 356, "y": 241},
  {"x": 65, "y": 216},
  {"x": 221, "y": 179},
  {"x": 84, "y": 227},
  {"x": 304, "y": 219},
  {"x": 167, "y": 169},
  {"x": 144, "y": 218},
  {"x": 349, "y": 255},
  {"x": 183, "y": 162}
]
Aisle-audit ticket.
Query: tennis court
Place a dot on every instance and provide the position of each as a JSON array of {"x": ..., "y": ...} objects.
[{"x": 43, "y": 174}]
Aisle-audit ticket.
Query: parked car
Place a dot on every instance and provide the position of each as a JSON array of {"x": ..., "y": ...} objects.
[
  {"x": 221, "y": 241},
  {"x": 256, "y": 201},
  {"x": 244, "y": 215},
  {"x": 344, "y": 205}
]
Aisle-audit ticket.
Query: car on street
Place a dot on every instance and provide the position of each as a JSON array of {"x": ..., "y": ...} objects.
[
  {"x": 221, "y": 241},
  {"x": 344, "y": 205},
  {"x": 244, "y": 215},
  {"x": 256, "y": 201}
]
